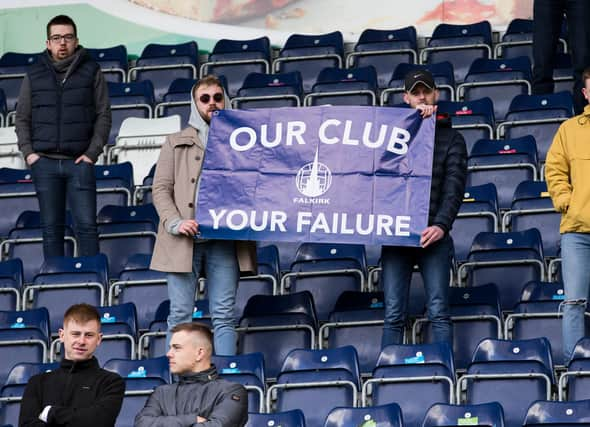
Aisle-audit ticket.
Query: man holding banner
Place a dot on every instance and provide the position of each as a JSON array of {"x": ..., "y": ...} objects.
[
  {"x": 179, "y": 251},
  {"x": 434, "y": 256}
]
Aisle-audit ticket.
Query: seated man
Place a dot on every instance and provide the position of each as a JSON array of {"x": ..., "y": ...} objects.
[
  {"x": 200, "y": 397},
  {"x": 79, "y": 393}
]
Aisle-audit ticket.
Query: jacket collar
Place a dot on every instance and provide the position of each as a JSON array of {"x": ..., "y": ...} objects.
[
  {"x": 187, "y": 136},
  {"x": 199, "y": 377},
  {"x": 83, "y": 365}
]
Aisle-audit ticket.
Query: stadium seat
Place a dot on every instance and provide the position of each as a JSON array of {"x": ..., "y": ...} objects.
[
  {"x": 11, "y": 284},
  {"x": 384, "y": 50},
  {"x": 473, "y": 119},
  {"x": 248, "y": 370},
  {"x": 414, "y": 377},
  {"x": 573, "y": 384},
  {"x": 177, "y": 100},
  {"x": 163, "y": 63},
  {"x": 498, "y": 79},
  {"x": 144, "y": 374},
  {"x": 235, "y": 59},
  {"x": 270, "y": 91},
  {"x": 275, "y": 324},
  {"x": 532, "y": 207},
  {"x": 475, "y": 314},
  {"x": 307, "y": 377},
  {"x": 114, "y": 185},
  {"x": 292, "y": 418},
  {"x": 513, "y": 373},
  {"x": 478, "y": 212},
  {"x": 503, "y": 163},
  {"x": 507, "y": 259},
  {"x": 112, "y": 61},
  {"x": 357, "y": 320},
  {"x": 139, "y": 142},
  {"x": 17, "y": 194},
  {"x": 485, "y": 414},
  {"x": 10, "y": 155},
  {"x": 326, "y": 270},
  {"x": 309, "y": 54},
  {"x": 133, "y": 99},
  {"x": 389, "y": 415},
  {"x": 557, "y": 414},
  {"x": 337, "y": 86},
  {"x": 13, "y": 67},
  {"x": 119, "y": 332},
  {"x": 460, "y": 44}
]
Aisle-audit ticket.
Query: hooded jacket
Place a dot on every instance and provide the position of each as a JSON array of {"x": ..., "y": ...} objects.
[
  {"x": 204, "y": 394},
  {"x": 567, "y": 172},
  {"x": 80, "y": 394}
]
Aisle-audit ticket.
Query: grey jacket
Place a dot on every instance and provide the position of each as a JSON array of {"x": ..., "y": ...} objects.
[{"x": 222, "y": 403}]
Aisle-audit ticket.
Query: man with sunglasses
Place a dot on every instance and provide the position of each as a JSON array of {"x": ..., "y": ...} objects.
[
  {"x": 63, "y": 120},
  {"x": 179, "y": 251}
]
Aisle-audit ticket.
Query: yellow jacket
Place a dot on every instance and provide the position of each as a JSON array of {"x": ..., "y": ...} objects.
[{"x": 567, "y": 172}]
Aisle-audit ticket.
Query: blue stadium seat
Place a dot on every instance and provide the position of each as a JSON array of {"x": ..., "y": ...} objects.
[
  {"x": 357, "y": 320},
  {"x": 11, "y": 284},
  {"x": 478, "y": 212},
  {"x": 513, "y": 373},
  {"x": 563, "y": 73},
  {"x": 114, "y": 184},
  {"x": 275, "y": 324},
  {"x": 538, "y": 314},
  {"x": 164, "y": 63},
  {"x": 63, "y": 281},
  {"x": 337, "y": 86},
  {"x": 133, "y": 99},
  {"x": 133, "y": 402},
  {"x": 414, "y": 377},
  {"x": 292, "y": 418},
  {"x": 574, "y": 383},
  {"x": 145, "y": 374},
  {"x": 119, "y": 332},
  {"x": 485, "y": 414},
  {"x": 389, "y": 415},
  {"x": 19, "y": 376},
  {"x": 248, "y": 370},
  {"x": 177, "y": 100},
  {"x": 17, "y": 194},
  {"x": 125, "y": 230},
  {"x": 558, "y": 414},
  {"x": 235, "y": 59},
  {"x": 503, "y": 163},
  {"x": 326, "y": 270},
  {"x": 499, "y": 79},
  {"x": 475, "y": 314},
  {"x": 537, "y": 115},
  {"x": 307, "y": 377},
  {"x": 112, "y": 61},
  {"x": 309, "y": 54},
  {"x": 443, "y": 77},
  {"x": 473, "y": 119},
  {"x": 270, "y": 91},
  {"x": 460, "y": 44},
  {"x": 13, "y": 67},
  {"x": 507, "y": 259},
  {"x": 138, "y": 284},
  {"x": 142, "y": 194},
  {"x": 532, "y": 207},
  {"x": 384, "y": 50}
]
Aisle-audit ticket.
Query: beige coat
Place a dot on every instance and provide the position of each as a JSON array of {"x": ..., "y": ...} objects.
[{"x": 173, "y": 191}]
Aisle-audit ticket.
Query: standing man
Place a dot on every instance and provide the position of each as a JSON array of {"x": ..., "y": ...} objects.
[
  {"x": 547, "y": 23},
  {"x": 63, "y": 120},
  {"x": 435, "y": 255},
  {"x": 178, "y": 250},
  {"x": 567, "y": 172},
  {"x": 200, "y": 397},
  {"x": 79, "y": 393}
]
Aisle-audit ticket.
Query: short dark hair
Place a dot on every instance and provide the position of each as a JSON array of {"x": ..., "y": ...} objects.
[
  {"x": 208, "y": 80},
  {"x": 61, "y": 20},
  {"x": 200, "y": 329},
  {"x": 82, "y": 313}
]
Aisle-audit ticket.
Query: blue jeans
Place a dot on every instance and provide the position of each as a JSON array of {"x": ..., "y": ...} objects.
[
  {"x": 58, "y": 181},
  {"x": 548, "y": 17},
  {"x": 435, "y": 264},
  {"x": 222, "y": 272},
  {"x": 575, "y": 254}
]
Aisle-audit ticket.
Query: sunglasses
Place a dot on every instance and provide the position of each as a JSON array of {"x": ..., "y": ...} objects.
[{"x": 205, "y": 98}]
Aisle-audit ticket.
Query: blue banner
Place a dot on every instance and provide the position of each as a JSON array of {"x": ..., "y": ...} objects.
[{"x": 318, "y": 174}]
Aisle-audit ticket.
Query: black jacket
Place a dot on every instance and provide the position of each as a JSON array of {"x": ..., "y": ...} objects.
[
  {"x": 81, "y": 394},
  {"x": 449, "y": 173},
  {"x": 222, "y": 403}
]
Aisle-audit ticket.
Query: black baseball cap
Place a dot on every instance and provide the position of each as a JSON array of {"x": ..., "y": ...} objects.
[{"x": 418, "y": 76}]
